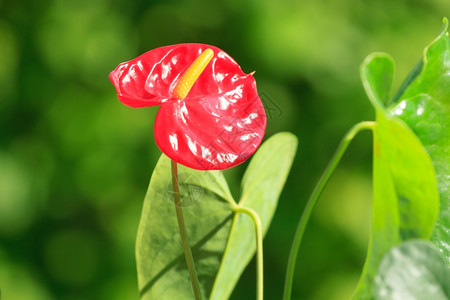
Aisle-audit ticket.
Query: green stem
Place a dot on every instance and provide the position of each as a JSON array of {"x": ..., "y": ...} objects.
[
  {"x": 313, "y": 200},
  {"x": 184, "y": 238},
  {"x": 259, "y": 249}
]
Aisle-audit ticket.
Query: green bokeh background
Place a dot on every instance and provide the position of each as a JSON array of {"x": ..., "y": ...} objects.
[{"x": 75, "y": 162}]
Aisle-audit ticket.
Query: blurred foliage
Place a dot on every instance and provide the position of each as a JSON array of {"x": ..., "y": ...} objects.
[{"x": 75, "y": 162}]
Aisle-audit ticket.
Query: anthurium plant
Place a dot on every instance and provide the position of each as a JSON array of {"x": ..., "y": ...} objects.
[{"x": 195, "y": 239}]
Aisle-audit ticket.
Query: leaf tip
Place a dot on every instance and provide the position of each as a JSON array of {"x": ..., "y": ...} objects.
[
  {"x": 445, "y": 24},
  {"x": 376, "y": 72},
  {"x": 291, "y": 139}
]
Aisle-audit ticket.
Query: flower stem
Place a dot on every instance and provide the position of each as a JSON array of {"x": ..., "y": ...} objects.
[
  {"x": 259, "y": 249},
  {"x": 184, "y": 238},
  {"x": 313, "y": 200}
]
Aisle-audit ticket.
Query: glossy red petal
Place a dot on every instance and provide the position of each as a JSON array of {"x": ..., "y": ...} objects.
[
  {"x": 150, "y": 78},
  {"x": 213, "y": 132},
  {"x": 130, "y": 78}
]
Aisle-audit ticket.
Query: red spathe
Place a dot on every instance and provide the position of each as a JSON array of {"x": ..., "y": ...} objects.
[{"x": 219, "y": 124}]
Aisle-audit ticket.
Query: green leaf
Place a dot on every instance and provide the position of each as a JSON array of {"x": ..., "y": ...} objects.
[
  {"x": 405, "y": 199},
  {"x": 414, "y": 270},
  {"x": 222, "y": 240},
  {"x": 425, "y": 107},
  {"x": 412, "y": 75},
  {"x": 377, "y": 72},
  {"x": 161, "y": 264},
  {"x": 261, "y": 187}
]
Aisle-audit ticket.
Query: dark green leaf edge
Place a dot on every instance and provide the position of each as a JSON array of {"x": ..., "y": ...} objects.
[
  {"x": 411, "y": 77},
  {"x": 417, "y": 70}
]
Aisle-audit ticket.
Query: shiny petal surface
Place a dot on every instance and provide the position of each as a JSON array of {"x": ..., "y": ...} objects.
[
  {"x": 219, "y": 124},
  {"x": 150, "y": 78},
  {"x": 130, "y": 79},
  {"x": 212, "y": 132}
]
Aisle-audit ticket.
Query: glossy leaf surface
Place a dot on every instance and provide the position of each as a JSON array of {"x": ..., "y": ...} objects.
[
  {"x": 414, "y": 270},
  {"x": 425, "y": 107},
  {"x": 222, "y": 240},
  {"x": 219, "y": 124},
  {"x": 405, "y": 197}
]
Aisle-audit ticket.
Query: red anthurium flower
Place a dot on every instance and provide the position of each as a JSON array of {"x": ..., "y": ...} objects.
[{"x": 211, "y": 116}]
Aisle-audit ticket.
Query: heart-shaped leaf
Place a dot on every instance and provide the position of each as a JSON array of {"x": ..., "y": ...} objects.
[
  {"x": 405, "y": 199},
  {"x": 222, "y": 240},
  {"x": 414, "y": 270}
]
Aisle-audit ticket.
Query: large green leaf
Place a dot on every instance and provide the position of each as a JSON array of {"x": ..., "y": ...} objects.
[
  {"x": 405, "y": 196},
  {"x": 414, "y": 270},
  {"x": 425, "y": 107},
  {"x": 222, "y": 240},
  {"x": 161, "y": 265}
]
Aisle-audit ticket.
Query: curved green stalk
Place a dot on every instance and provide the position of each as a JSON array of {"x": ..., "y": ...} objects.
[
  {"x": 259, "y": 249},
  {"x": 313, "y": 200},
  {"x": 184, "y": 238}
]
